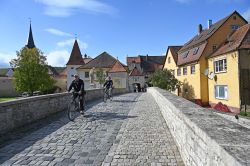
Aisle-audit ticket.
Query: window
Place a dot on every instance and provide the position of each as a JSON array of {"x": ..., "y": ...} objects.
[
  {"x": 72, "y": 67},
  {"x": 214, "y": 47},
  {"x": 185, "y": 54},
  {"x": 234, "y": 17},
  {"x": 195, "y": 50},
  {"x": 192, "y": 69},
  {"x": 184, "y": 70},
  {"x": 220, "y": 65},
  {"x": 169, "y": 60},
  {"x": 172, "y": 72},
  {"x": 221, "y": 91},
  {"x": 235, "y": 27},
  {"x": 178, "y": 71},
  {"x": 86, "y": 74}
]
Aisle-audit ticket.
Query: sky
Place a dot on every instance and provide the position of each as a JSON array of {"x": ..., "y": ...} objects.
[{"x": 120, "y": 27}]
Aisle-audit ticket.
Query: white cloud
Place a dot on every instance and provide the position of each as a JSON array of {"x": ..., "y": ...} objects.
[
  {"x": 64, "y": 8},
  {"x": 5, "y": 58},
  {"x": 57, "y": 32},
  {"x": 246, "y": 15},
  {"x": 58, "y": 58},
  {"x": 70, "y": 42}
]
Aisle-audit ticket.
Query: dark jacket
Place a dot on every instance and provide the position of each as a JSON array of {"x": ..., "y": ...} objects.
[
  {"x": 77, "y": 85},
  {"x": 108, "y": 84}
]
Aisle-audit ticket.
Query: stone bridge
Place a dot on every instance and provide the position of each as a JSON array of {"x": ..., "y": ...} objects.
[{"x": 153, "y": 128}]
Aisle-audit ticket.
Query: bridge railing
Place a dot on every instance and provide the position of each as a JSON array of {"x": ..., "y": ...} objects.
[
  {"x": 202, "y": 136},
  {"x": 17, "y": 113}
]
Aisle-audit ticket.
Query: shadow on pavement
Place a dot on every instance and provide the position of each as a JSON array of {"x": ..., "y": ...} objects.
[{"x": 107, "y": 116}]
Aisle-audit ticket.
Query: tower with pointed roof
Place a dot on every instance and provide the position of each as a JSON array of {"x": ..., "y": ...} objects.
[
  {"x": 30, "y": 43},
  {"x": 75, "y": 61}
]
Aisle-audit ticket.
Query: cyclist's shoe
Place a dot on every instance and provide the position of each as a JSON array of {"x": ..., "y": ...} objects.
[{"x": 82, "y": 112}]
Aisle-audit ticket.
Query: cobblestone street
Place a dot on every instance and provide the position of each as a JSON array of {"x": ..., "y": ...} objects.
[{"x": 129, "y": 130}]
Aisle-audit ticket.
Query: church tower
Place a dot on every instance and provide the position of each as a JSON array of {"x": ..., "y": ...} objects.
[
  {"x": 30, "y": 43},
  {"x": 75, "y": 61}
]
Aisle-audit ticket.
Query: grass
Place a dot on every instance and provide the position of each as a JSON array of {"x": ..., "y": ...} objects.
[
  {"x": 243, "y": 113},
  {"x": 6, "y": 98}
]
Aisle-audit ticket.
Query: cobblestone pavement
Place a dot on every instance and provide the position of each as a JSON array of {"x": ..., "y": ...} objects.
[
  {"x": 126, "y": 131},
  {"x": 144, "y": 140}
]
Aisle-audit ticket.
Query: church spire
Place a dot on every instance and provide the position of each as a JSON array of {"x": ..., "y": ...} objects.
[
  {"x": 30, "y": 43},
  {"x": 75, "y": 56}
]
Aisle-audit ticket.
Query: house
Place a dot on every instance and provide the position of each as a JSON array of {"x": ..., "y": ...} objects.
[
  {"x": 75, "y": 61},
  {"x": 143, "y": 66},
  {"x": 106, "y": 63},
  {"x": 136, "y": 78},
  {"x": 119, "y": 75},
  {"x": 229, "y": 71},
  {"x": 192, "y": 57},
  {"x": 171, "y": 61}
]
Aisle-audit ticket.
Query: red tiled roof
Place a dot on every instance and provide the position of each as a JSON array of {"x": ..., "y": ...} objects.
[
  {"x": 117, "y": 67},
  {"x": 86, "y": 60},
  {"x": 104, "y": 60},
  {"x": 238, "y": 40},
  {"x": 205, "y": 34},
  {"x": 133, "y": 59},
  {"x": 190, "y": 57},
  {"x": 174, "y": 50},
  {"x": 135, "y": 72},
  {"x": 75, "y": 56}
]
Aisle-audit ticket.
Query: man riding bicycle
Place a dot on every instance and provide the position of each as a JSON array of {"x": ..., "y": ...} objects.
[
  {"x": 78, "y": 85},
  {"x": 108, "y": 85}
]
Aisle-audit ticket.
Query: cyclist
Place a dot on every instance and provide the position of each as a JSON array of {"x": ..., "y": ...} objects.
[
  {"x": 78, "y": 86},
  {"x": 108, "y": 85}
]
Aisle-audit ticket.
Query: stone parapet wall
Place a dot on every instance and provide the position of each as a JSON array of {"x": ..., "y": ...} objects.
[
  {"x": 17, "y": 113},
  {"x": 203, "y": 137}
]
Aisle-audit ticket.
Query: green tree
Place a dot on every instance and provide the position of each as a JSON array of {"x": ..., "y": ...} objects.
[
  {"x": 100, "y": 75},
  {"x": 164, "y": 79},
  {"x": 31, "y": 71}
]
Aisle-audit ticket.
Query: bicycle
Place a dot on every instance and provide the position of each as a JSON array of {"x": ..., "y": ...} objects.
[
  {"x": 74, "y": 106},
  {"x": 107, "y": 94}
]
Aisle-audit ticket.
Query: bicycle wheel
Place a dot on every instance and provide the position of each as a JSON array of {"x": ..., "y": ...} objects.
[
  {"x": 72, "y": 110},
  {"x": 105, "y": 96}
]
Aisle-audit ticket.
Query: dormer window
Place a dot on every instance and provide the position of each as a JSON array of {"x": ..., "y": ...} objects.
[
  {"x": 235, "y": 27},
  {"x": 214, "y": 47},
  {"x": 195, "y": 50},
  {"x": 185, "y": 54}
]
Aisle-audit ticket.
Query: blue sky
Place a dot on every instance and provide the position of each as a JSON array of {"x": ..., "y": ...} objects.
[{"x": 120, "y": 27}]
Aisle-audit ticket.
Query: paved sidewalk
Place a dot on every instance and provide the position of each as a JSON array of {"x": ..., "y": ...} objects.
[
  {"x": 126, "y": 131},
  {"x": 144, "y": 140}
]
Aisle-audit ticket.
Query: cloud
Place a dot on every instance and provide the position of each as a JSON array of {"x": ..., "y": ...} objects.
[
  {"x": 70, "y": 42},
  {"x": 246, "y": 15},
  {"x": 5, "y": 59},
  {"x": 64, "y": 8},
  {"x": 58, "y": 58},
  {"x": 58, "y": 32}
]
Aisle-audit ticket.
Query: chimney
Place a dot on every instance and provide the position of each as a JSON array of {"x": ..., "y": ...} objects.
[
  {"x": 85, "y": 55},
  {"x": 209, "y": 24},
  {"x": 147, "y": 57},
  {"x": 199, "y": 29}
]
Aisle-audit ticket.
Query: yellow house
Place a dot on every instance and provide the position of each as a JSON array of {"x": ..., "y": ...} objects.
[
  {"x": 229, "y": 70},
  {"x": 171, "y": 61},
  {"x": 192, "y": 57}
]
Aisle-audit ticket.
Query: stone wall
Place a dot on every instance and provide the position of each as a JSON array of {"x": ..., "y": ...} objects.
[
  {"x": 14, "y": 114},
  {"x": 203, "y": 137},
  {"x": 6, "y": 87}
]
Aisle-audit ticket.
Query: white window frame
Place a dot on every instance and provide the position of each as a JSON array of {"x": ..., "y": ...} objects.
[
  {"x": 179, "y": 72},
  {"x": 192, "y": 71},
  {"x": 217, "y": 91},
  {"x": 186, "y": 71},
  {"x": 86, "y": 75},
  {"x": 220, "y": 65}
]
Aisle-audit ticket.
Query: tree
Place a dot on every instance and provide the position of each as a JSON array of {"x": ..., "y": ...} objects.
[
  {"x": 100, "y": 75},
  {"x": 164, "y": 79},
  {"x": 31, "y": 71}
]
